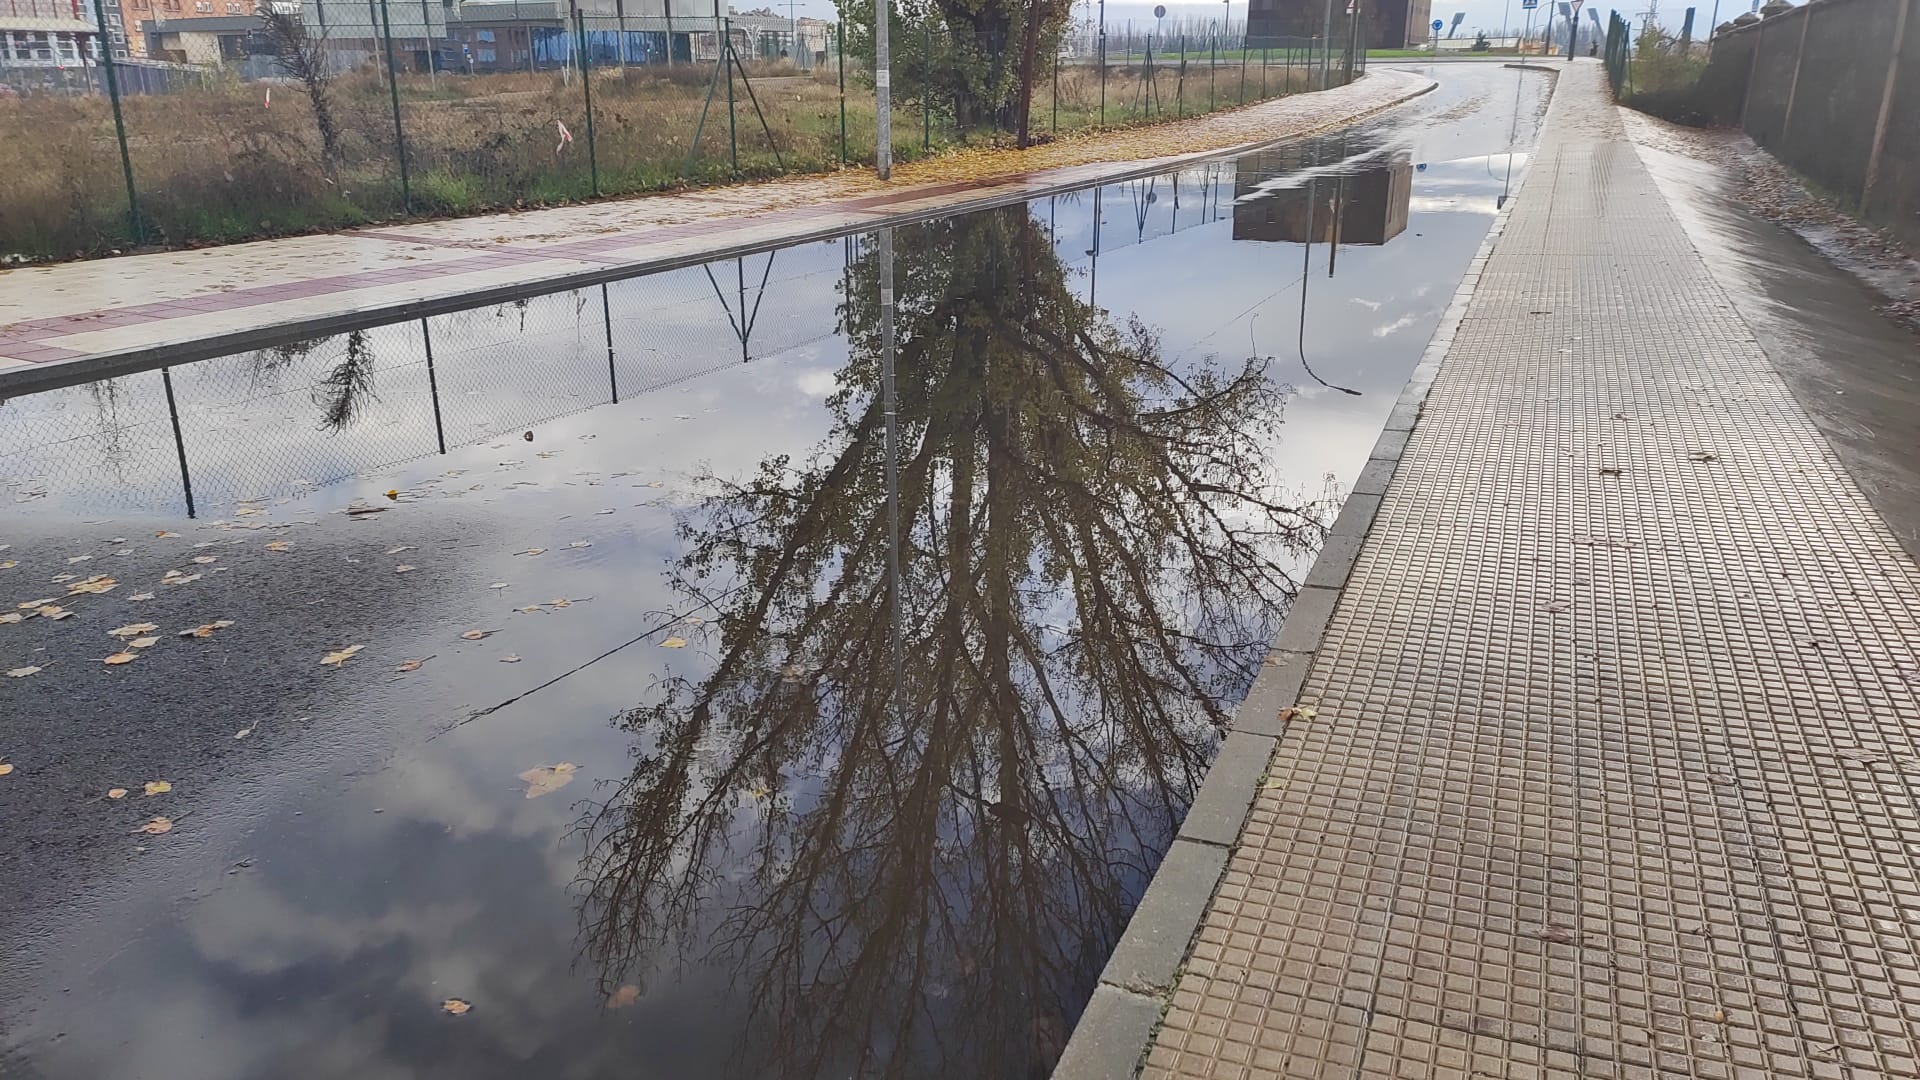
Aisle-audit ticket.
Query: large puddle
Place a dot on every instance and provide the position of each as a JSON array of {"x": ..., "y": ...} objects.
[{"x": 786, "y": 703}]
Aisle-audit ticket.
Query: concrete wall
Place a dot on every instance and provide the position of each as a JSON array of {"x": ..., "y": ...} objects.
[{"x": 1811, "y": 85}]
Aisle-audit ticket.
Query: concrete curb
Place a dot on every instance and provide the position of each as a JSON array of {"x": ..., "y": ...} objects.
[
  {"x": 29, "y": 380},
  {"x": 1110, "y": 1041}
]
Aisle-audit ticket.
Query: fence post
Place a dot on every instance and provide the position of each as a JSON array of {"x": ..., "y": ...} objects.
[
  {"x": 393, "y": 93},
  {"x": 926, "y": 88},
  {"x": 840, "y": 38},
  {"x": 1793, "y": 84},
  {"x": 1180, "y": 82},
  {"x": 1886, "y": 108},
  {"x": 1056, "y": 90},
  {"x": 120, "y": 124},
  {"x": 1263, "y": 72},
  {"x": 1244, "y": 45},
  {"x": 727, "y": 61},
  {"x": 1213, "y": 61},
  {"x": 586, "y": 93}
]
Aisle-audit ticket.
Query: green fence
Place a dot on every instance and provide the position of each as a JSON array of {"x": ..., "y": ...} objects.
[{"x": 403, "y": 111}]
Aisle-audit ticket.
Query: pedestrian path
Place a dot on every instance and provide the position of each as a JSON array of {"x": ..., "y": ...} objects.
[
  {"x": 77, "y": 321},
  {"x": 1611, "y": 743}
]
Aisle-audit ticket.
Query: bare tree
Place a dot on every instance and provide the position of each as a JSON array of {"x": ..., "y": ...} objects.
[{"x": 304, "y": 57}]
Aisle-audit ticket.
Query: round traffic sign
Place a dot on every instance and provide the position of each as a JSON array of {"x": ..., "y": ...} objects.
[
  {"x": 1160, "y": 11},
  {"x": 1437, "y": 24}
]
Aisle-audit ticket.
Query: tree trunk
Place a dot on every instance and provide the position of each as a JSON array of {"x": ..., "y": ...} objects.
[{"x": 1029, "y": 45}]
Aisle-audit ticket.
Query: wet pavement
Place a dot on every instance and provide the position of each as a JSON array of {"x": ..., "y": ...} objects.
[
  {"x": 1855, "y": 372},
  {"x": 752, "y": 732}
]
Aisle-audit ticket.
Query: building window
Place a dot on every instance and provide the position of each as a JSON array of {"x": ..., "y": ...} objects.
[{"x": 203, "y": 7}]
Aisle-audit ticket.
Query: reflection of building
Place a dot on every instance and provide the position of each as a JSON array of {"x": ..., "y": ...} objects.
[
  {"x": 1368, "y": 206},
  {"x": 1385, "y": 24}
]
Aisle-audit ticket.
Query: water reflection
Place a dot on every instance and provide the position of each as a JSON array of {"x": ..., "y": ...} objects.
[
  {"x": 1365, "y": 202},
  {"x": 926, "y": 861}
]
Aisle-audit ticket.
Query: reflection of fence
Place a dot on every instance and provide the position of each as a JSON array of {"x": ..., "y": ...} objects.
[
  {"x": 472, "y": 111},
  {"x": 282, "y": 420}
]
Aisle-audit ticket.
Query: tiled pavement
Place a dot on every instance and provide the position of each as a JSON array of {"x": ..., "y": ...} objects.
[
  {"x": 1616, "y": 735},
  {"x": 84, "y": 320}
]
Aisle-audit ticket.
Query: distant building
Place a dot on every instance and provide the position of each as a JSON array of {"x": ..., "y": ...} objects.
[
  {"x": 52, "y": 34},
  {"x": 1384, "y": 24}
]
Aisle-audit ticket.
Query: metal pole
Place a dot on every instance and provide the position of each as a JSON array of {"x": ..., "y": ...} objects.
[
  {"x": 586, "y": 93},
  {"x": 606, "y": 314},
  {"x": 926, "y": 88},
  {"x": 119, "y": 123},
  {"x": 1056, "y": 90},
  {"x": 840, "y": 38},
  {"x": 426, "y": 39},
  {"x": 1243, "y": 70},
  {"x": 882, "y": 92},
  {"x": 393, "y": 92},
  {"x": 433, "y": 389},
  {"x": 727, "y": 60},
  {"x": 1213, "y": 61},
  {"x": 1103, "y": 63},
  {"x": 1180, "y": 82},
  {"x": 179, "y": 444},
  {"x": 890, "y": 408}
]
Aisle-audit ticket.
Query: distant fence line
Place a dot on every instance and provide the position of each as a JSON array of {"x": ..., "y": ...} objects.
[{"x": 533, "y": 112}]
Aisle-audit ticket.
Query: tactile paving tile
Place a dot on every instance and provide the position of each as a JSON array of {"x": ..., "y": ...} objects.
[{"x": 1618, "y": 739}]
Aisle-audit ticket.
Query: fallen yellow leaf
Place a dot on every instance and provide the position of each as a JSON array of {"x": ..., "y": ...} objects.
[
  {"x": 279, "y": 545},
  {"x": 674, "y": 643},
  {"x": 623, "y": 997},
  {"x": 403, "y": 568},
  {"x": 11, "y": 617},
  {"x": 341, "y": 656},
  {"x": 456, "y": 1006},
  {"x": 36, "y": 603},
  {"x": 116, "y": 793},
  {"x": 547, "y": 779},
  {"x": 6, "y": 768},
  {"x": 476, "y": 635},
  {"x": 532, "y": 551},
  {"x": 132, "y": 629},
  {"x": 121, "y": 658},
  {"x": 165, "y": 535},
  {"x": 93, "y": 586},
  {"x": 9, "y": 564},
  {"x": 141, "y": 596},
  {"x": 156, "y": 826},
  {"x": 203, "y": 559},
  {"x": 510, "y": 658},
  {"x": 143, "y": 643},
  {"x": 22, "y": 672},
  {"x": 158, "y": 787},
  {"x": 1298, "y": 712},
  {"x": 412, "y": 665},
  {"x": 393, "y": 493}
]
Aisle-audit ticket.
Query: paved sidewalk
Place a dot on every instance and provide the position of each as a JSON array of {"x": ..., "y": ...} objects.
[
  {"x": 1615, "y": 743},
  {"x": 76, "y": 321}
]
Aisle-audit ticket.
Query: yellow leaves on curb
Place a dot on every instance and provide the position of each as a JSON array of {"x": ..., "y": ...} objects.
[{"x": 547, "y": 779}]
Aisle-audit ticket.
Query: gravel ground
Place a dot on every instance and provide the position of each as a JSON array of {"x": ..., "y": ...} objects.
[{"x": 1773, "y": 192}]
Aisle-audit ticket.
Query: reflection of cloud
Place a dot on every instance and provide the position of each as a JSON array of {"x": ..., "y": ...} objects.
[
  {"x": 818, "y": 383},
  {"x": 1397, "y": 325}
]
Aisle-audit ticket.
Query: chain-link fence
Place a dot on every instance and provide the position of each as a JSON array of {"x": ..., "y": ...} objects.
[{"x": 353, "y": 111}]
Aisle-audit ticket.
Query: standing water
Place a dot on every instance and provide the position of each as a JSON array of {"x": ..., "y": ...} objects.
[{"x": 691, "y": 676}]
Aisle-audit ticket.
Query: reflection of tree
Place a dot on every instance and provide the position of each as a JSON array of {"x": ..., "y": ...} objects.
[
  {"x": 347, "y": 387},
  {"x": 1091, "y": 560}
]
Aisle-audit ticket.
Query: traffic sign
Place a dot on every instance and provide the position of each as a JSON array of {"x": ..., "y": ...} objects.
[
  {"x": 1529, "y": 5},
  {"x": 1437, "y": 24}
]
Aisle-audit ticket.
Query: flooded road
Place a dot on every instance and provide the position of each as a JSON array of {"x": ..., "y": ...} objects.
[{"x": 672, "y": 679}]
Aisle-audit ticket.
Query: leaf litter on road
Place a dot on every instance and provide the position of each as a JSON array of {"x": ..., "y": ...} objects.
[
  {"x": 133, "y": 629},
  {"x": 340, "y": 656},
  {"x": 456, "y": 1006},
  {"x": 116, "y": 793},
  {"x": 156, "y": 827},
  {"x": 476, "y": 635},
  {"x": 157, "y": 787},
  {"x": 412, "y": 664},
  {"x": 120, "y": 658},
  {"x": 279, "y": 545},
  {"x": 205, "y": 630},
  {"x": 23, "y": 672}
]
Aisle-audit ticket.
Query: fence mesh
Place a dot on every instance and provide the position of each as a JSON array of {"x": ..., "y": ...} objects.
[{"x": 345, "y": 112}]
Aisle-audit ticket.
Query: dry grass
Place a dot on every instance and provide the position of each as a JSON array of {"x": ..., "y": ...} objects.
[{"x": 218, "y": 164}]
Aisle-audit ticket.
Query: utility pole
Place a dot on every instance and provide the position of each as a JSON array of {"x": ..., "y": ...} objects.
[{"x": 882, "y": 92}]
